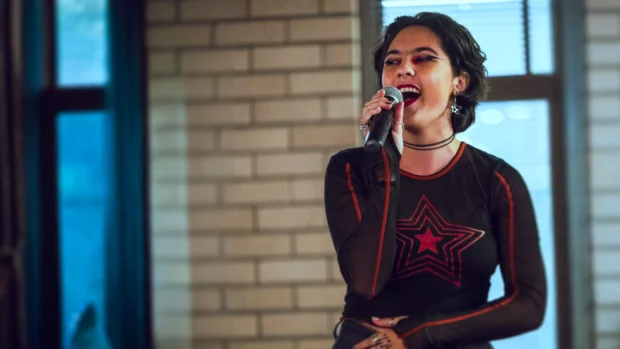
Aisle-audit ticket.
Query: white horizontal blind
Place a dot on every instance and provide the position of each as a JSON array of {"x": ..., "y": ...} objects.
[{"x": 498, "y": 26}]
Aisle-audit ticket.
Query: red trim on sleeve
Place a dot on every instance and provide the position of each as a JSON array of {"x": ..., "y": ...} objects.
[
  {"x": 353, "y": 195},
  {"x": 388, "y": 176}
]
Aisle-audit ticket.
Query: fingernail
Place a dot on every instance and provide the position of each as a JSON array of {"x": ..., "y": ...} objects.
[
  {"x": 379, "y": 91},
  {"x": 375, "y": 318}
]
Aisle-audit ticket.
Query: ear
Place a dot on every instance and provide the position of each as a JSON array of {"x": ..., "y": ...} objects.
[{"x": 461, "y": 82}]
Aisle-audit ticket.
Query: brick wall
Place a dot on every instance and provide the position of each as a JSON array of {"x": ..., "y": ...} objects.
[
  {"x": 603, "y": 60},
  {"x": 248, "y": 99}
]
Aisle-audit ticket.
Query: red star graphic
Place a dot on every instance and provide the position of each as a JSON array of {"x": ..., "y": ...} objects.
[
  {"x": 428, "y": 241},
  {"x": 432, "y": 233}
]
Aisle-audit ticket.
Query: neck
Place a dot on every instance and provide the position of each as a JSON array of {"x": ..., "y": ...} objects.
[{"x": 428, "y": 151}]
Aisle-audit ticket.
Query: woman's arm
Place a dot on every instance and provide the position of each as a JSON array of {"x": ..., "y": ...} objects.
[
  {"x": 522, "y": 308},
  {"x": 360, "y": 203}
]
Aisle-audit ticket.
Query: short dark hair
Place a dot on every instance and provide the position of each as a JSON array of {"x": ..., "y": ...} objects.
[{"x": 464, "y": 52}]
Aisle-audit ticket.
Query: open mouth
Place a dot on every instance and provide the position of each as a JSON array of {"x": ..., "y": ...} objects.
[{"x": 410, "y": 93}]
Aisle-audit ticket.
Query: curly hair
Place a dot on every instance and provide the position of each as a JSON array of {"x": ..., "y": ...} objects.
[{"x": 465, "y": 57}]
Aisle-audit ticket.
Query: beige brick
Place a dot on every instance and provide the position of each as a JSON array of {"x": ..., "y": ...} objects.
[
  {"x": 168, "y": 299},
  {"x": 257, "y": 192},
  {"x": 604, "y": 80},
  {"x": 287, "y": 57},
  {"x": 255, "y": 139},
  {"x": 604, "y": 136},
  {"x": 604, "y": 205},
  {"x": 211, "y": 344},
  {"x": 291, "y": 217},
  {"x": 263, "y": 344},
  {"x": 290, "y": 164},
  {"x": 214, "y": 61},
  {"x": 284, "y": 7},
  {"x": 160, "y": 11},
  {"x": 308, "y": 189},
  {"x": 218, "y": 220},
  {"x": 184, "y": 246},
  {"x": 177, "y": 326},
  {"x": 603, "y": 24},
  {"x": 220, "y": 167},
  {"x": 604, "y": 107},
  {"x": 316, "y": 343},
  {"x": 169, "y": 114},
  {"x": 343, "y": 55},
  {"x": 293, "y": 270},
  {"x": 169, "y": 220},
  {"x": 325, "y": 82},
  {"x": 251, "y": 86},
  {"x": 267, "y": 298},
  {"x": 607, "y": 170},
  {"x": 324, "y": 136},
  {"x": 340, "y": 6},
  {"x": 313, "y": 243},
  {"x": 605, "y": 234},
  {"x": 206, "y": 299},
  {"x": 344, "y": 108},
  {"x": 173, "y": 343},
  {"x": 603, "y": 53},
  {"x": 179, "y": 36},
  {"x": 606, "y": 291},
  {"x": 602, "y": 4},
  {"x": 324, "y": 29},
  {"x": 607, "y": 320},
  {"x": 256, "y": 32},
  {"x": 257, "y": 246},
  {"x": 212, "y": 9},
  {"x": 181, "y": 88},
  {"x": 608, "y": 342},
  {"x": 295, "y": 324},
  {"x": 162, "y": 63},
  {"x": 215, "y": 114},
  {"x": 168, "y": 167},
  {"x": 225, "y": 326},
  {"x": 180, "y": 140},
  {"x": 223, "y": 272},
  {"x": 182, "y": 193},
  {"x": 334, "y": 270},
  {"x": 291, "y": 110},
  {"x": 324, "y": 296},
  {"x": 168, "y": 273},
  {"x": 605, "y": 263}
]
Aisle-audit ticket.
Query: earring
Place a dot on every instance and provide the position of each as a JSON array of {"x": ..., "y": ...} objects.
[{"x": 455, "y": 108}]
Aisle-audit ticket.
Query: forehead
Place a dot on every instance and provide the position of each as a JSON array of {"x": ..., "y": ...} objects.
[{"x": 414, "y": 37}]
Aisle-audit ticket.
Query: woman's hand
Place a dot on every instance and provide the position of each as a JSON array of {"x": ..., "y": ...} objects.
[
  {"x": 373, "y": 107},
  {"x": 387, "y": 322},
  {"x": 384, "y": 338}
]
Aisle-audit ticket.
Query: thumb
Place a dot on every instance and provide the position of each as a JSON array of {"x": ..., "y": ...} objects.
[{"x": 398, "y": 126}]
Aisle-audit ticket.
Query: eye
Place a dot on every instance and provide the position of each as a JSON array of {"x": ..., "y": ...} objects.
[
  {"x": 425, "y": 58},
  {"x": 391, "y": 62}
]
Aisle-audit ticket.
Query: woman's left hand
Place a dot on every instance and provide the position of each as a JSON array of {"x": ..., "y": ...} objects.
[
  {"x": 387, "y": 322},
  {"x": 384, "y": 338}
]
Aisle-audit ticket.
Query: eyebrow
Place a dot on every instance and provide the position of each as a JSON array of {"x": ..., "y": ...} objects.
[{"x": 416, "y": 50}]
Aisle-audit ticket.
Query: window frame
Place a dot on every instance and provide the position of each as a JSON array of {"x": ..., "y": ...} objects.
[
  {"x": 569, "y": 176},
  {"x": 123, "y": 98}
]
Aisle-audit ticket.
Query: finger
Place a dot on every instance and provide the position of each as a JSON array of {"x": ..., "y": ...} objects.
[
  {"x": 380, "y": 94},
  {"x": 384, "y": 322},
  {"x": 373, "y": 341},
  {"x": 399, "y": 112}
]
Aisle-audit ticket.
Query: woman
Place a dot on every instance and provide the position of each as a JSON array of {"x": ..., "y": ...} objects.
[{"x": 420, "y": 227}]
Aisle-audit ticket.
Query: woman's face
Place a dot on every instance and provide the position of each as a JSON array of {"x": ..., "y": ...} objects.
[{"x": 416, "y": 64}]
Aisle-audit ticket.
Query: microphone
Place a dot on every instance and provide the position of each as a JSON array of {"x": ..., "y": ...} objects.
[{"x": 382, "y": 122}]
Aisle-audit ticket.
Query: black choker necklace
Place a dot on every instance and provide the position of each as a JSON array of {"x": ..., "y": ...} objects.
[{"x": 431, "y": 146}]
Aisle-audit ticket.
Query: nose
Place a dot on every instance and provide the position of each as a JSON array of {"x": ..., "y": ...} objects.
[{"x": 405, "y": 70}]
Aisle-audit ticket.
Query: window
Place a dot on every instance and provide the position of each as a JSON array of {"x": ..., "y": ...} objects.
[
  {"x": 514, "y": 122},
  {"x": 88, "y": 269}
]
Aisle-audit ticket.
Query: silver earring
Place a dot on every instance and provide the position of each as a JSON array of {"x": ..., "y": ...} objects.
[{"x": 456, "y": 109}]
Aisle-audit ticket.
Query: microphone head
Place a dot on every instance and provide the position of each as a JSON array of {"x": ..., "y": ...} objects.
[{"x": 394, "y": 94}]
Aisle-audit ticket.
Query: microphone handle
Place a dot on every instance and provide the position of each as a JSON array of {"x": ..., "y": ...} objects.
[{"x": 379, "y": 131}]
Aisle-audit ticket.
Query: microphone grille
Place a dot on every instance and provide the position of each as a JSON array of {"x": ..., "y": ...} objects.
[{"x": 393, "y": 93}]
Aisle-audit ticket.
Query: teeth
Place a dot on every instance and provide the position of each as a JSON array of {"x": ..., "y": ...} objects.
[{"x": 409, "y": 89}]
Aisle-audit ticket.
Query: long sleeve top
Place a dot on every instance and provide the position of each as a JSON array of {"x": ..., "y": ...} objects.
[{"x": 427, "y": 246}]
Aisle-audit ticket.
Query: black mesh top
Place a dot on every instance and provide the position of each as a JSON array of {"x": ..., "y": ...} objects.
[{"x": 427, "y": 246}]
